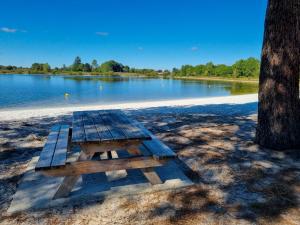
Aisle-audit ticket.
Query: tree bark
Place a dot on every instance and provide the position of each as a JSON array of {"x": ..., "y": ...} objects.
[{"x": 278, "y": 108}]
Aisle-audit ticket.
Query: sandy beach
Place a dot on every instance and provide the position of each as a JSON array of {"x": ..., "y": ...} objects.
[
  {"x": 236, "y": 181},
  {"x": 17, "y": 114}
]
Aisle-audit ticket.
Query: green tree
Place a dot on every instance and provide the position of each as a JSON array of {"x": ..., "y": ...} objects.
[
  {"x": 175, "y": 72},
  {"x": 126, "y": 69},
  {"x": 111, "y": 66},
  {"x": 40, "y": 67},
  {"x": 94, "y": 64},
  {"x": 253, "y": 67},
  {"x": 223, "y": 70},
  {"x": 246, "y": 68},
  {"x": 209, "y": 69},
  {"x": 199, "y": 70},
  {"x": 87, "y": 67},
  {"x": 9, "y": 67},
  {"x": 77, "y": 65},
  {"x": 46, "y": 67},
  {"x": 187, "y": 70},
  {"x": 36, "y": 67}
]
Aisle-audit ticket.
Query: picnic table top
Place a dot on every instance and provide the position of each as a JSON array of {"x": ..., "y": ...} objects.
[{"x": 104, "y": 126}]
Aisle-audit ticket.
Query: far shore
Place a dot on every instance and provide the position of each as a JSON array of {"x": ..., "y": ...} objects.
[
  {"x": 17, "y": 114},
  {"x": 211, "y": 78},
  {"x": 240, "y": 80}
]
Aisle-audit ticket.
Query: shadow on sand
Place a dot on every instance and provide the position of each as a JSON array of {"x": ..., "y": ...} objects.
[{"x": 234, "y": 177}]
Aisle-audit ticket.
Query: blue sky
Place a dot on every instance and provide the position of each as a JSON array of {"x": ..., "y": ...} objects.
[{"x": 156, "y": 34}]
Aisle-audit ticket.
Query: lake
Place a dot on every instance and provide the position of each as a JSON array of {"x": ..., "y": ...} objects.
[{"x": 35, "y": 91}]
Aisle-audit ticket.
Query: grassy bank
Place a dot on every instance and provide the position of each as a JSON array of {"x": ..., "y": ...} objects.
[
  {"x": 210, "y": 78},
  {"x": 227, "y": 79}
]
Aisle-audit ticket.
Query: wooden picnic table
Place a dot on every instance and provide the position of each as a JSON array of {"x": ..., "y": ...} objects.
[{"x": 101, "y": 132}]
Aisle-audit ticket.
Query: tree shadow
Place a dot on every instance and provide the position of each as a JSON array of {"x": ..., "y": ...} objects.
[
  {"x": 235, "y": 179},
  {"x": 19, "y": 142},
  {"x": 252, "y": 183}
]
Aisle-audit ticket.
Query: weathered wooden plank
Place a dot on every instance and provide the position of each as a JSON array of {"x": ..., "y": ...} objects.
[
  {"x": 134, "y": 123},
  {"x": 103, "y": 131},
  {"x": 152, "y": 176},
  {"x": 129, "y": 129},
  {"x": 144, "y": 151},
  {"x": 110, "y": 146},
  {"x": 155, "y": 146},
  {"x": 60, "y": 154},
  {"x": 125, "y": 128},
  {"x": 118, "y": 125},
  {"x": 149, "y": 172},
  {"x": 87, "y": 167},
  {"x": 109, "y": 124},
  {"x": 134, "y": 151},
  {"x": 112, "y": 126},
  {"x": 69, "y": 182},
  {"x": 49, "y": 148},
  {"x": 159, "y": 149},
  {"x": 78, "y": 134},
  {"x": 66, "y": 187},
  {"x": 91, "y": 133}
]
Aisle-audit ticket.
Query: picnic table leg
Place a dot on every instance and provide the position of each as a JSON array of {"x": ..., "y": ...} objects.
[
  {"x": 69, "y": 182},
  {"x": 149, "y": 173},
  {"x": 152, "y": 176}
]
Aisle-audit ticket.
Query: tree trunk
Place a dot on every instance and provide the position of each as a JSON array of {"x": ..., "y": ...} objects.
[{"x": 278, "y": 108}]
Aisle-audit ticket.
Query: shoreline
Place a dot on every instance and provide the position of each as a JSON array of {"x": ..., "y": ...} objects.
[
  {"x": 195, "y": 78},
  {"x": 238, "y": 80},
  {"x": 17, "y": 114}
]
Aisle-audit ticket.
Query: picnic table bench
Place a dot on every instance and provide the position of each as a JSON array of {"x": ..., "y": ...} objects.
[{"x": 98, "y": 132}]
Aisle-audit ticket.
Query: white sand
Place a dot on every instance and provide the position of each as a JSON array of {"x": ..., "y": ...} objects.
[{"x": 28, "y": 113}]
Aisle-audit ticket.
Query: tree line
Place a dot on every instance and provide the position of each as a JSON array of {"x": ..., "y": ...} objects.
[
  {"x": 242, "y": 68},
  {"x": 247, "y": 68}
]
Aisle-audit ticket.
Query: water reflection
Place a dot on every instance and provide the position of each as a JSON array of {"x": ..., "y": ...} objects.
[
  {"x": 61, "y": 90},
  {"x": 242, "y": 88},
  {"x": 96, "y": 78}
]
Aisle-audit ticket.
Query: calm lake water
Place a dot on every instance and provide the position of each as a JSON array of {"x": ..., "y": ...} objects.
[{"x": 44, "y": 91}]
